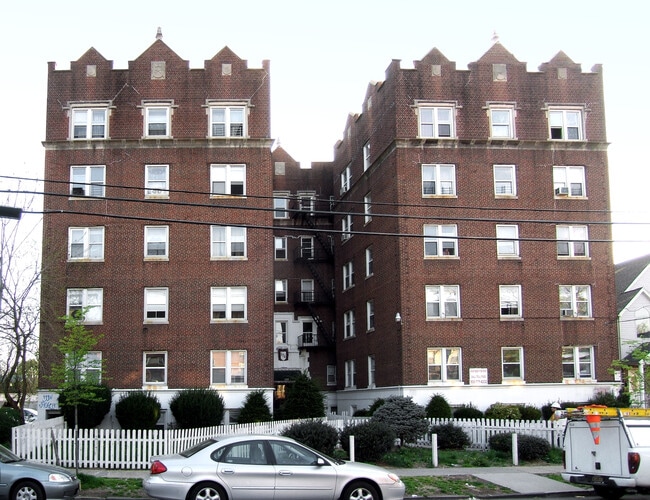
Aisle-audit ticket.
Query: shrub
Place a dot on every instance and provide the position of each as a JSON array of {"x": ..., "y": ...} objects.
[
  {"x": 404, "y": 417},
  {"x": 9, "y": 418},
  {"x": 451, "y": 437},
  {"x": 304, "y": 399},
  {"x": 315, "y": 434},
  {"x": 438, "y": 407},
  {"x": 194, "y": 408},
  {"x": 502, "y": 411},
  {"x": 137, "y": 410},
  {"x": 528, "y": 447},
  {"x": 467, "y": 411},
  {"x": 501, "y": 442},
  {"x": 606, "y": 399},
  {"x": 255, "y": 409},
  {"x": 375, "y": 404},
  {"x": 530, "y": 413},
  {"x": 371, "y": 440},
  {"x": 92, "y": 412}
]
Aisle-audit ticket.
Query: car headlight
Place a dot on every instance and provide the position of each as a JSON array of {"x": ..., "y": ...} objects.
[
  {"x": 59, "y": 478},
  {"x": 389, "y": 478}
]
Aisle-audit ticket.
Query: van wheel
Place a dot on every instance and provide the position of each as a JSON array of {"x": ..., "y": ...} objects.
[{"x": 609, "y": 492}]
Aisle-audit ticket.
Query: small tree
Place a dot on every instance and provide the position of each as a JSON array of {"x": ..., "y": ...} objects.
[
  {"x": 304, "y": 399},
  {"x": 438, "y": 407},
  {"x": 406, "y": 418},
  {"x": 255, "y": 409},
  {"x": 94, "y": 409},
  {"x": 138, "y": 410},
  {"x": 194, "y": 408}
]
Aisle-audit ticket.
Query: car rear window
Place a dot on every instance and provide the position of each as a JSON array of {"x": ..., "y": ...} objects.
[{"x": 195, "y": 449}]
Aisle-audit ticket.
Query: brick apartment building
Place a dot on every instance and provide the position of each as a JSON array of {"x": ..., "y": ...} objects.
[{"x": 423, "y": 259}]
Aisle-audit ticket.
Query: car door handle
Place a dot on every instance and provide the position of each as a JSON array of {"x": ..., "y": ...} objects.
[
  {"x": 285, "y": 473},
  {"x": 227, "y": 471}
]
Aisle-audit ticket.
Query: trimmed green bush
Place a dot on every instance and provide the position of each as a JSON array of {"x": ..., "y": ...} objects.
[
  {"x": 467, "y": 411},
  {"x": 375, "y": 404},
  {"x": 9, "y": 418},
  {"x": 255, "y": 409},
  {"x": 530, "y": 413},
  {"x": 315, "y": 434},
  {"x": 501, "y": 442},
  {"x": 195, "y": 408},
  {"x": 406, "y": 418},
  {"x": 92, "y": 412},
  {"x": 371, "y": 440},
  {"x": 438, "y": 407},
  {"x": 451, "y": 437},
  {"x": 138, "y": 410},
  {"x": 503, "y": 411},
  {"x": 528, "y": 447},
  {"x": 304, "y": 399}
]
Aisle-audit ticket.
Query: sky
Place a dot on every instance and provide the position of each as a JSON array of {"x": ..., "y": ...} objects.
[{"x": 324, "y": 54}]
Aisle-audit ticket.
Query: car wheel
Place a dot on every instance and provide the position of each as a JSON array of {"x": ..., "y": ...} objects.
[
  {"x": 207, "y": 491},
  {"x": 27, "y": 490},
  {"x": 609, "y": 493},
  {"x": 360, "y": 490}
]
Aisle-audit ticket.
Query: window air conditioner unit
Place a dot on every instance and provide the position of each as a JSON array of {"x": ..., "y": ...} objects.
[
  {"x": 562, "y": 191},
  {"x": 78, "y": 191}
]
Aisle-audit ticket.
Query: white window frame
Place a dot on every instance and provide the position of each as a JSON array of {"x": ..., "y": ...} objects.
[
  {"x": 229, "y": 125},
  {"x": 89, "y": 299},
  {"x": 280, "y": 205},
  {"x": 367, "y": 208},
  {"x": 350, "y": 374},
  {"x": 149, "y": 357},
  {"x": 281, "y": 292},
  {"x": 306, "y": 201},
  {"x": 156, "y": 181},
  {"x": 307, "y": 247},
  {"x": 369, "y": 262},
  {"x": 153, "y": 236},
  {"x": 280, "y": 248},
  {"x": 572, "y": 241},
  {"x": 233, "y": 299},
  {"x": 349, "y": 324},
  {"x": 331, "y": 374},
  {"x": 437, "y": 121},
  {"x": 366, "y": 156},
  {"x": 234, "y": 367},
  {"x": 88, "y": 181},
  {"x": 505, "y": 181},
  {"x": 370, "y": 315},
  {"x": 573, "y": 363},
  {"x": 371, "y": 371},
  {"x": 308, "y": 333},
  {"x": 444, "y": 362},
  {"x": 564, "y": 122},
  {"x": 507, "y": 241},
  {"x": 575, "y": 301},
  {"x": 502, "y": 122},
  {"x": 510, "y": 303},
  {"x": 569, "y": 181},
  {"x": 155, "y": 115},
  {"x": 156, "y": 305},
  {"x": 346, "y": 179},
  {"x": 230, "y": 175},
  {"x": 307, "y": 290},
  {"x": 346, "y": 227},
  {"x": 90, "y": 240},
  {"x": 93, "y": 120},
  {"x": 348, "y": 275},
  {"x": 281, "y": 331},
  {"x": 438, "y": 179},
  {"x": 91, "y": 367},
  {"x": 228, "y": 243},
  {"x": 440, "y": 241},
  {"x": 512, "y": 358},
  {"x": 448, "y": 297}
]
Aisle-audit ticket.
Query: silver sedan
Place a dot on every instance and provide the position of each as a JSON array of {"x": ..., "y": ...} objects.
[{"x": 265, "y": 467}]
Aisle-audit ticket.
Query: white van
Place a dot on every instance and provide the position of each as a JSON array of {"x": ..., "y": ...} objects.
[{"x": 609, "y": 449}]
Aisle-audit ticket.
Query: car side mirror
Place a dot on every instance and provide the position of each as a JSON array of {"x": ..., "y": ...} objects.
[{"x": 320, "y": 461}]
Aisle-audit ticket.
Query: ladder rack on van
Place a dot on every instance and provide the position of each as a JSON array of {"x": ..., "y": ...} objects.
[{"x": 603, "y": 411}]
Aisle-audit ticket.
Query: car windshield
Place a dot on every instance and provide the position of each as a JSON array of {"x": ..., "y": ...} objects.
[
  {"x": 7, "y": 456},
  {"x": 195, "y": 449}
]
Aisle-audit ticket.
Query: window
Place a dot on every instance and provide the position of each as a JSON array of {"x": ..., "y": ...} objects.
[
  {"x": 569, "y": 181},
  {"x": 88, "y": 302},
  {"x": 307, "y": 292},
  {"x": 89, "y": 123},
  {"x": 155, "y": 368},
  {"x": 86, "y": 243},
  {"x": 227, "y": 242},
  {"x": 510, "y": 301},
  {"x": 156, "y": 242},
  {"x": 572, "y": 241},
  {"x": 366, "y": 156},
  {"x": 280, "y": 243},
  {"x": 367, "y": 207},
  {"x": 442, "y": 301},
  {"x": 438, "y": 180},
  {"x": 507, "y": 240},
  {"x": 444, "y": 364},
  {"x": 281, "y": 332},
  {"x": 87, "y": 180},
  {"x": 156, "y": 305},
  {"x": 91, "y": 367},
  {"x": 370, "y": 315},
  {"x": 440, "y": 240},
  {"x": 371, "y": 371},
  {"x": 346, "y": 227},
  {"x": 642, "y": 321},
  {"x": 307, "y": 247},
  {"x": 369, "y": 262},
  {"x": 156, "y": 180},
  {"x": 348, "y": 275},
  {"x": 502, "y": 125},
  {"x": 228, "y": 367},
  {"x": 348, "y": 324},
  {"x": 512, "y": 363},
  {"x": 306, "y": 202},
  {"x": 565, "y": 124},
  {"x": 308, "y": 336},
  {"x": 280, "y": 205},
  {"x": 227, "y": 121},
  {"x": 228, "y": 303},
  {"x": 228, "y": 180},
  {"x": 575, "y": 301},
  {"x": 280, "y": 290},
  {"x": 350, "y": 374},
  {"x": 346, "y": 178},
  {"x": 505, "y": 182},
  {"x": 331, "y": 374},
  {"x": 157, "y": 121},
  {"x": 437, "y": 121},
  {"x": 578, "y": 362}
]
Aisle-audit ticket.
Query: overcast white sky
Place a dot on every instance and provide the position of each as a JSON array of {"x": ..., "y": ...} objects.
[{"x": 324, "y": 54}]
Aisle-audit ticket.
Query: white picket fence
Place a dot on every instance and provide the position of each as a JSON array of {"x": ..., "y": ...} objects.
[{"x": 53, "y": 443}]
